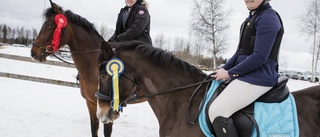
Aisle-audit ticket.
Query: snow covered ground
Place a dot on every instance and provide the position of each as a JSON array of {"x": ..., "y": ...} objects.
[{"x": 32, "y": 109}]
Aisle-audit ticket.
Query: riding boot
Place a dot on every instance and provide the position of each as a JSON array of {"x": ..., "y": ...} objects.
[{"x": 224, "y": 127}]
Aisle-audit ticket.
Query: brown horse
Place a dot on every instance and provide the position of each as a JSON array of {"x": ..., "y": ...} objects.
[
  {"x": 84, "y": 42},
  {"x": 163, "y": 78}
]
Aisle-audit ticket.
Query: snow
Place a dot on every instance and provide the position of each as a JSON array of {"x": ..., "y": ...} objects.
[{"x": 32, "y": 109}]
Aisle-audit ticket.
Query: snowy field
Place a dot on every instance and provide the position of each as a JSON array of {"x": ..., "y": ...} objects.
[{"x": 32, "y": 109}]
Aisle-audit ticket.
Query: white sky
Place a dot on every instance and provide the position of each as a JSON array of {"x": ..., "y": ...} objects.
[
  {"x": 170, "y": 17},
  {"x": 32, "y": 109}
]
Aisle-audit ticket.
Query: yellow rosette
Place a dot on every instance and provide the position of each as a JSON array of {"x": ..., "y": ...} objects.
[{"x": 115, "y": 68}]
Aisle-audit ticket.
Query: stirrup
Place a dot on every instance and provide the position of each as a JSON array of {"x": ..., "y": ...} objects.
[{"x": 224, "y": 127}]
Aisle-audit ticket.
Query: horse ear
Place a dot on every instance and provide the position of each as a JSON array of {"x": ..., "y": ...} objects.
[
  {"x": 106, "y": 49},
  {"x": 55, "y": 7},
  {"x": 51, "y": 3}
]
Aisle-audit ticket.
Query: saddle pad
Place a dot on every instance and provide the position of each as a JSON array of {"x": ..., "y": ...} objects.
[
  {"x": 202, "y": 117},
  {"x": 277, "y": 119},
  {"x": 274, "y": 119}
]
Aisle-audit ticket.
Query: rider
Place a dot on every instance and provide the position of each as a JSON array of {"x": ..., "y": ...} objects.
[
  {"x": 252, "y": 69},
  {"x": 133, "y": 22}
]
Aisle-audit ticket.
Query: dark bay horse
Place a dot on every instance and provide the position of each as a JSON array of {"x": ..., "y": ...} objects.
[
  {"x": 163, "y": 78},
  {"x": 84, "y": 42}
]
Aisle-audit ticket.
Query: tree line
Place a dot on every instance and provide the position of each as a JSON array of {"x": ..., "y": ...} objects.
[{"x": 18, "y": 35}]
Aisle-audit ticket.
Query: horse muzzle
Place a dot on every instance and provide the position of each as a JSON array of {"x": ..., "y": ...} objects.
[
  {"x": 107, "y": 115},
  {"x": 39, "y": 52}
]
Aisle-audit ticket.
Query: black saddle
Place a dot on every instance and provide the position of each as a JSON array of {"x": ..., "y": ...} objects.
[{"x": 244, "y": 118}]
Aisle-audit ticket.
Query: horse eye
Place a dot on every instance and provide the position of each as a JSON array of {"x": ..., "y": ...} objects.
[
  {"x": 49, "y": 26},
  {"x": 102, "y": 77}
]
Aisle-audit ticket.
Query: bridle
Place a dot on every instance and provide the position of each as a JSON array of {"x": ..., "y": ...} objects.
[
  {"x": 52, "y": 48},
  {"x": 108, "y": 97},
  {"x": 113, "y": 93}
]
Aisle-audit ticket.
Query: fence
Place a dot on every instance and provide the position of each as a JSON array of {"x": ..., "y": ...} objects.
[{"x": 37, "y": 79}]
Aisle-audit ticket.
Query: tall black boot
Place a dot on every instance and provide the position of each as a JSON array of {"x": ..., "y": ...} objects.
[{"x": 224, "y": 127}]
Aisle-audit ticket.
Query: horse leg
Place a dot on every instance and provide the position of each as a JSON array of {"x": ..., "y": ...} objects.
[
  {"x": 93, "y": 118},
  {"x": 107, "y": 129}
]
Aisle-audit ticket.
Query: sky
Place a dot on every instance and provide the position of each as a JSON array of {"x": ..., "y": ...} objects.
[
  {"x": 32, "y": 109},
  {"x": 171, "y": 18}
]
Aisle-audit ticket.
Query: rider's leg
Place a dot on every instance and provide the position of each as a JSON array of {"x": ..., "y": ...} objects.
[{"x": 235, "y": 96}]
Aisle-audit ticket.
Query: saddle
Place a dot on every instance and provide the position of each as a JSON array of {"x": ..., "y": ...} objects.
[{"x": 244, "y": 119}]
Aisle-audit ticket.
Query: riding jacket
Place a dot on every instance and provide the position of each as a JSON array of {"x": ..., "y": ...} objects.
[
  {"x": 255, "y": 60},
  {"x": 133, "y": 24}
]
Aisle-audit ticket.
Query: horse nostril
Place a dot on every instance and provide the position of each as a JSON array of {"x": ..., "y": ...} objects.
[{"x": 32, "y": 54}]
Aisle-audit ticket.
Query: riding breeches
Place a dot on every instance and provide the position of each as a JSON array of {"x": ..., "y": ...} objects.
[{"x": 235, "y": 96}]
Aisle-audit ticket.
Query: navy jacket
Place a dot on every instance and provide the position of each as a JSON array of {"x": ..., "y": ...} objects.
[
  {"x": 135, "y": 27},
  {"x": 257, "y": 68}
]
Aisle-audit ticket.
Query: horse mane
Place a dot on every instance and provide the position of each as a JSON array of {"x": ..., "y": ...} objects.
[
  {"x": 74, "y": 18},
  {"x": 159, "y": 56}
]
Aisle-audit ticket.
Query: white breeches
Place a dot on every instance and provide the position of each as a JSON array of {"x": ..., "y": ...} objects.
[{"x": 235, "y": 96}]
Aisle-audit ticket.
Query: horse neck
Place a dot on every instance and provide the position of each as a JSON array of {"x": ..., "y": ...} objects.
[
  {"x": 85, "y": 50},
  {"x": 159, "y": 79},
  {"x": 82, "y": 41}
]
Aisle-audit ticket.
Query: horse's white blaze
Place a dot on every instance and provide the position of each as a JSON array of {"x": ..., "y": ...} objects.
[
  {"x": 102, "y": 115},
  {"x": 98, "y": 110}
]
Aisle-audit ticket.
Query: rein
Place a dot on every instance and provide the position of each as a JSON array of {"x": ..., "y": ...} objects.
[
  {"x": 62, "y": 59},
  {"x": 206, "y": 80},
  {"x": 88, "y": 51},
  {"x": 75, "y": 52},
  {"x": 168, "y": 91}
]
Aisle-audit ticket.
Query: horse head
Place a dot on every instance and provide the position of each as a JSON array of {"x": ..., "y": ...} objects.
[
  {"x": 115, "y": 88},
  {"x": 54, "y": 33}
]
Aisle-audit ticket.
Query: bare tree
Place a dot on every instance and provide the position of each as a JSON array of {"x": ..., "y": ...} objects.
[
  {"x": 9, "y": 31},
  {"x": 13, "y": 35},
  {"x": 197, "y": 47},
  {"x": 209, "y": 20},
  {"x": 105, "y": 31},
  {"x": 310, "y": 25},
  {"x": 1, "y": 33},
  {"x": 28, "y": 35},
  {"x": 5, "y": 32},
  {"x": 178, "y": 45},
  {"x": 159, "y": 41},
  {"x": 34, "y": 34}
]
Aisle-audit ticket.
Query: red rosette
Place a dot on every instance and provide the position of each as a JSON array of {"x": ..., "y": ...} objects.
[{"x": 61, "y": 22}]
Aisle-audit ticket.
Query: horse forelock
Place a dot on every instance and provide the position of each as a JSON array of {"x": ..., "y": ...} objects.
[
  {"x": 50, "y": 12},
  {"x": 160, "y": 57}
]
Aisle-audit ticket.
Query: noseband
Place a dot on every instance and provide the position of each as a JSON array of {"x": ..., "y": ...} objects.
[{"x": 108, "y": 97}]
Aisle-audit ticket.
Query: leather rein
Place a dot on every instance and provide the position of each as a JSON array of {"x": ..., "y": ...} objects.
[
  {"x": 135, "y": 98},
  {"x": 206, "y": 80}
]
